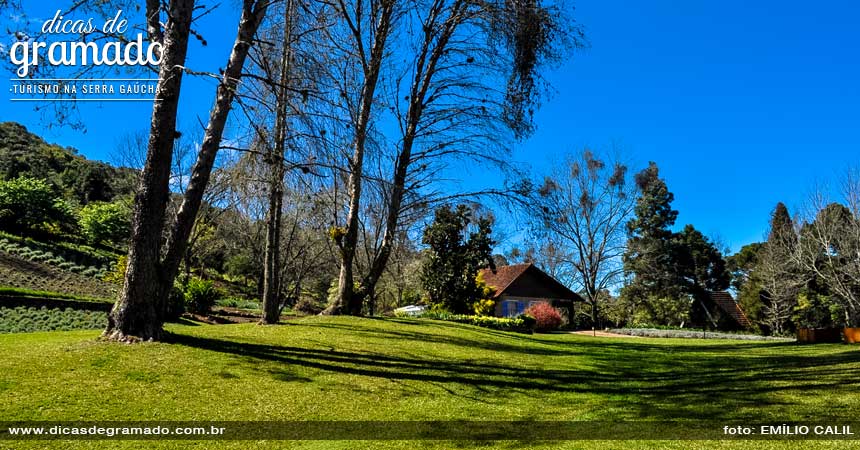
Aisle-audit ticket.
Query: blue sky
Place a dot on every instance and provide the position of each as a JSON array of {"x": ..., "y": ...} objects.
[{"x": 742, "y": 104}]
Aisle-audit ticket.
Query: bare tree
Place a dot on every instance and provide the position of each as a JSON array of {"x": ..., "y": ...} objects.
[
  {"x": 830, "y": 244},
  {"x": 465, "y": 90},
  {"x": 583, "y": 208},
  {"x": 778, "y": 273},
  {"x": 369, "y": 27}
]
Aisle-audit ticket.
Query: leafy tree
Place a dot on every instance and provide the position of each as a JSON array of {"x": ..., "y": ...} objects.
[
  {"x": 451, "y": 269},
  {"x": 662, "y": 311},
  {"x": 30, "y": 203},
  {"x": 105, "y": 222},
  {"x": 702, "y": 263},
  {"x": 702, "y": 268},
  {"x": 742, "y": 266},
  {"x": 76, "y": 178}
]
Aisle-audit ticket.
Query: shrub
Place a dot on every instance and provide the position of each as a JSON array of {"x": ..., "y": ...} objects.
[
  {"x": 26, "y": 319},
  {"x": 175, "y": 304},
  {"x": 200, "y": 295},
  {"x": 105, "y": 222},
  {"x": 546, "y": 317},
  {"x": 28, "y": 203},
  {"x": 485, "y": 305},
  {"x": 117, "y": 275},
  {"x": 228, "y": 302},
  {"x": 528, "y": 321},
  {"x": 308, "y": 306}
]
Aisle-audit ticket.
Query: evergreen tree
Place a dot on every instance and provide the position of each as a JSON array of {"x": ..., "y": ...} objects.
[
  {"x": 703, "y": 270},
  {"x": 702, "y": 264},
  {"x": 450, "y": 271},
  {"x": 651, "y": 255}
]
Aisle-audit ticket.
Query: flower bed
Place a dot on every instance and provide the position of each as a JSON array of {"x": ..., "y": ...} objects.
[
  {"x": 693, "y": 334},
  {"x": 518, "y": 324}
]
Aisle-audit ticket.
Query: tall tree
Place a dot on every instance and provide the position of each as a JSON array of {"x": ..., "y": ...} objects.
[
  {"x": 369, "y": 27},
  {"x": 651, "y": 255},
  {"x": 275, "y": 159},
  {"x": 469, "y": 82},
  {"x": 137, "y": 312},
  {"x": 778, "y": 273},
  {"x": 149, "y": 275},
  {"x": 830, "y": 245},
  {"x": 584, "y": 207}
]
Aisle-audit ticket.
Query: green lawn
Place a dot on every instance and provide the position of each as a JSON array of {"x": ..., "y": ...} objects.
[{"x": 370, "y": 369}]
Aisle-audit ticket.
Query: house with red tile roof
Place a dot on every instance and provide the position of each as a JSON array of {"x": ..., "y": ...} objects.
[{"x": 519, "y": 286}]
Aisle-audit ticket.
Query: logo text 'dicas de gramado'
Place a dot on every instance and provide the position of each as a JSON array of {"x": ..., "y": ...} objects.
[
  {"x": 114, "y": 48},
  {"x": 27, "y": 53}
]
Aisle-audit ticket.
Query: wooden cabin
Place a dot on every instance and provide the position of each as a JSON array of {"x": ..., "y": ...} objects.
[{"x": 522, "y": 285}]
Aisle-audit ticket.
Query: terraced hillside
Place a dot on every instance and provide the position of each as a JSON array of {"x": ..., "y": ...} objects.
[{"x": 20, "y": 273}]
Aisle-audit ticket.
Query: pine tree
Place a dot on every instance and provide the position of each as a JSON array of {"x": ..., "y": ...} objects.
[{"x": 651, "y": 255}]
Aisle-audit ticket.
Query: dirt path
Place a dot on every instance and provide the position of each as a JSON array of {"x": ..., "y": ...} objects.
[{"x": 602, "y": 334}]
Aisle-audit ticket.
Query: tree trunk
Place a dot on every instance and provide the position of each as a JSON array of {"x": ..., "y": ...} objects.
[
  {"x": 346, "y": 302},
  {"x": 271, "y": 277},
  {"x": 425, "y": 70},
  {"x": 137, "y": 313},
  {"x": 271, "y": 272},
  {"x": 253, "y": 13}
]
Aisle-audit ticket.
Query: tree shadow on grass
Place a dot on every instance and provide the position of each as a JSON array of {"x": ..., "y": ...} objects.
[
  {"x": 548, "y": 344},
  {"x": 642, "y": 380}
]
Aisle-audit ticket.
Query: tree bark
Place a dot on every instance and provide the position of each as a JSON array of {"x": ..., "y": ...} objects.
[
  {"x": 136, "y": 316},
  {"x": 272, "y": 268},
  {"x": 426, "y": 64},
  {"x": 346, "y": 302},
  {"x": 253, "y": 13}
]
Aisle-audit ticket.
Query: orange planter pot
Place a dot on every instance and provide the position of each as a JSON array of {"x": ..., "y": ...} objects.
[
  {"x": 813, "y": 335},
  {"x": 851, "y": 335}
]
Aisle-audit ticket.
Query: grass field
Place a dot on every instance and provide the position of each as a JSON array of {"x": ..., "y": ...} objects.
[{"x": 396, "y": 369}]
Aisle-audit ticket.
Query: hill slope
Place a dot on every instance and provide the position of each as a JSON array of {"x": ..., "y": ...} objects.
[
  {"x": 370, "y": 369},
  {"x": 79, "y": 179},
  {"x": 19, "y": 273}
]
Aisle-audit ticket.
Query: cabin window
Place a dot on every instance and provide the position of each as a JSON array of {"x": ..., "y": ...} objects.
[{"x": 513, "y": 308}]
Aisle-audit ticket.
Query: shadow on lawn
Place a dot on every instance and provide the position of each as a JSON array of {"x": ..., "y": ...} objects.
[{"x": 642, "y": 380}]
